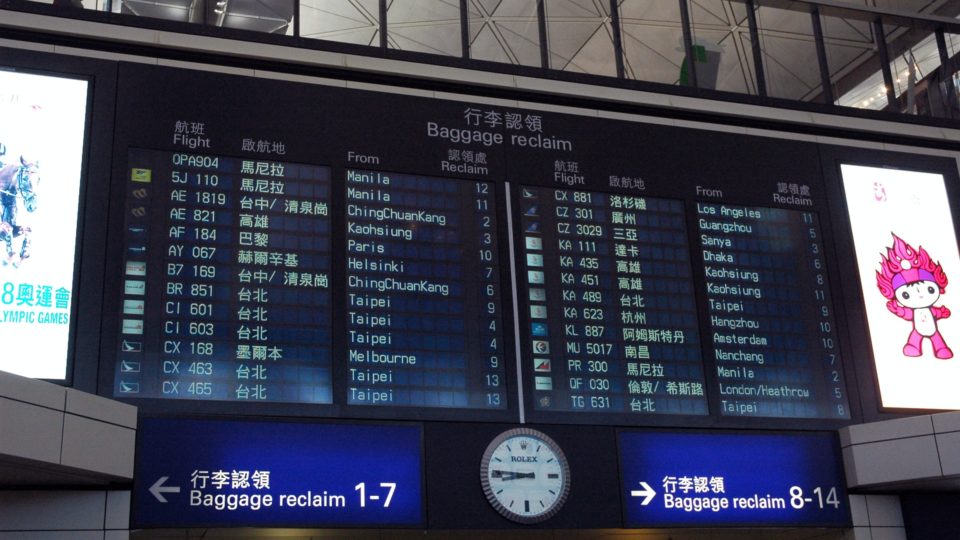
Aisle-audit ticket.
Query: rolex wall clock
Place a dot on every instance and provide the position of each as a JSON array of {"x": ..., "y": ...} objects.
[{"x": 525, "y": 475}]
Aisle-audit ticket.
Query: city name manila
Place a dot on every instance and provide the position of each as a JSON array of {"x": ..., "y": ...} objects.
[
  {"x": 736, "y": 372},
  {"x": 368, "y": 194}
]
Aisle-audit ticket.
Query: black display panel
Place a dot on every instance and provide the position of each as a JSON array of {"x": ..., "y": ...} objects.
[
  {"x": 610, "y": 299},
  {"x": 771, "y": 319},
  {"x": 701, "y": 260},
  {"x": 424, "y": 316},
  {"x": 226, "y": 287},
  {"x": 464, "y": 259}
]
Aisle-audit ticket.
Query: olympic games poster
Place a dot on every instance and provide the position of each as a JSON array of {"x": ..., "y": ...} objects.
[
  {"x": 909, "y": 269},
  {"x": 42, "y": 124}
]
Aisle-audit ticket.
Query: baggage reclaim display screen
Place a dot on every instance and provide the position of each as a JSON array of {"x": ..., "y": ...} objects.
[{"x": 473, "y": 261}]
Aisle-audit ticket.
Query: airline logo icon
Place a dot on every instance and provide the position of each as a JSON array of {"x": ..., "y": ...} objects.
[
  {"x": 529, "y": 193},
  {"x": 133, "y": 307},
  {"x": 134, "y": 286},
  {"x": 541, "y": 365},
  {"x": 535, "y": 277},
  {"x": 538, "y": 329},
  {"x": 132, "y": 326},
  {"x": 538, "y": 312},
  {"x": 531, "y": 210},
  {"x": 144, "y": 176},
  {"x": 136, "y": 268},
  {"x": 131, "y": 346},
  {"x": 129, "y": 387},
  {"x": 534, "y": 242},
  {"x": 534, "y": 259},
  {"x": 533, "y": 227},
  {"x": 543, "y": 383},
  {"x": 538, "y": 295},
  {"x": 129, "y": 366},
  {"x": 541, "y": 347}
]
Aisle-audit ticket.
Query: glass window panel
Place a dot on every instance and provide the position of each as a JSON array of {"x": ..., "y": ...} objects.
[
  {"x": 949, "y": 83},
  {"x": 173, "y": 10},
  {"x": 274, "y": 17},
  {"x": 652, "y": 36},
  {"x": 430, "y": 26},
  {"x": 721, "y": 38},
  {"x": 346, "y": 21},
  {"x": 853, "y": 62},
  {"x": 579, "y": 37},
  {"x": 789, "y": 53},
  {"x": 505, "y": 31},
  {"x": 99, "y": 5}
]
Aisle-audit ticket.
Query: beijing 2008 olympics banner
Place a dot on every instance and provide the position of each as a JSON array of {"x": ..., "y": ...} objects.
[{"x": 42, "y": 126}]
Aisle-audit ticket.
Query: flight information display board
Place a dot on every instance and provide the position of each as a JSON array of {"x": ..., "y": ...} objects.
[
  {"x": 226, "y": 287},
  {"x": 770, "y": 317},
  {"x": 613, "y": 320},
  {"x": 464, "y": 259},
  {"x": 423, "y": 292}
]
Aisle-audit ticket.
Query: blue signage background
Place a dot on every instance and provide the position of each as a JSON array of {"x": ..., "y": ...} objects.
[
  {"x": 671, "y": 479},
  {"x": 226, "y": 473}
]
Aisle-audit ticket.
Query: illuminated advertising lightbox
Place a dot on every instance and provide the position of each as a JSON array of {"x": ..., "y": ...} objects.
[
  {"x": 907, "y": 259},
  {"x": 42, "y": 123}
]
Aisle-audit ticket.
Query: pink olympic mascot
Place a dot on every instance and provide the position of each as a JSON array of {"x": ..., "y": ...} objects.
[{"x": 912, "y": 283}]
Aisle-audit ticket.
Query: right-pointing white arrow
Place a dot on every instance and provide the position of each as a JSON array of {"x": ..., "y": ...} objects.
[
  {"x": 158, "y": 489},
  {"x": 647, "y": 493}
]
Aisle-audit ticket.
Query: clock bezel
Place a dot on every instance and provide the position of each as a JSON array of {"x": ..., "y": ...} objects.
[{"x": 488, "y": 489}]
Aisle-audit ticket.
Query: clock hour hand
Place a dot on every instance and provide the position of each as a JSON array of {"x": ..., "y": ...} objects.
[{"x": 510, "y": 475}]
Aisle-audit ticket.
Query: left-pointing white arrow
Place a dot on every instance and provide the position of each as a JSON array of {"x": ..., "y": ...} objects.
[
  {"x": 158, "y": 489},
  {"x": 647, "y": 493}
]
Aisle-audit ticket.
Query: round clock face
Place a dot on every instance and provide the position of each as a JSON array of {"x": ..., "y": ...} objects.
[{"x": 525, "y": 475}]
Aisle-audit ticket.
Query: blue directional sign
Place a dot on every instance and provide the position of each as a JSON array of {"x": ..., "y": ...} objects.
[
  {"x": 696, "y": 479},
  {"x": 204, "y": 473}
]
